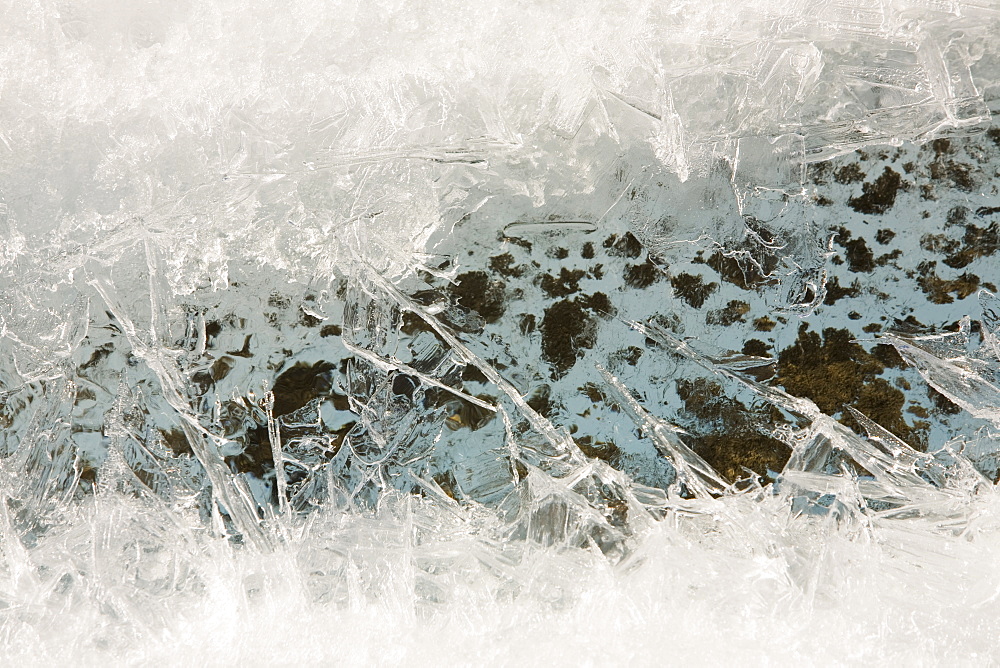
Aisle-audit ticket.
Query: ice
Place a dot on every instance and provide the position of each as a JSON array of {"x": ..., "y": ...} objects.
[{"x": 344, "y": 333}]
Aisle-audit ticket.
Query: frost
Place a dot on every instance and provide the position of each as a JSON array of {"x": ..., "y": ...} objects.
[{"x": 259, "y": 402}]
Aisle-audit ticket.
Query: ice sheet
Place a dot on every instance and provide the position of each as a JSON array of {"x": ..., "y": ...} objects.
[{"x": 258, "y": 402}]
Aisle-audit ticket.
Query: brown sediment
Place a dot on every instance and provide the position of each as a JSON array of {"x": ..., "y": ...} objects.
[
  {"x": 886, "y": 258},
  {"x": 604, "y": 450},
  {"x": 566, "y": 284},
  {"x": 764, "y": 324},
  {"x": 884, "y": 236},
  {"x": 641, "y": 275},
  {"x": 848, "y": 174},
  {"x": 957, "y": 215},
  {"x": 448, "y": 484},
  {"x": 592, "y": 392},
  {"x": 888, "y": 356},
  {"x": 735, "y": 311},
  {"x": 413, "y": 324},
  {"x": 878, "y": 196},
  {"x": 475, "y": 291},
  {"x": 504, "y": 265},
  {"x": 309, "y": 320},
  {"x": 176, "y": 440},
  {"x": 300, "y": 384},
  {"x": 979, "y": 242},
  {"x": 957, "y": 174},
  {"x": 628, "y": 355},
  {"x": 818, "y": 172},
  {"x": 746, "y": 274},
  {"x": 756, "y": 347},
  {"x": 938, "y": 290},
  {"x": 221, "y": 367},
  {"x": 939, "y": 243},
  {"x": 626, "y": 245},
  {"x": 541, "y": 401},
  {"x": 835, "y": 292},
  {"x": 330, "y": 330},
  {"x": 835, "y": 372},
  {"x": 725, "y": 431},
  {"x": 569, "y": 327},
  {"x": 941, "y": 403},
  {"x": 692, "y": 289},
  {"x": 859, "y": 256},
  {"x": 588, "y": 251},
  {"x": 472, "y": 374},
  {"x": 467, "y": 415}
]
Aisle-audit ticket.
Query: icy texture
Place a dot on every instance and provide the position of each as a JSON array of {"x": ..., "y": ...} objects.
[{"x": 243, "y": 419}]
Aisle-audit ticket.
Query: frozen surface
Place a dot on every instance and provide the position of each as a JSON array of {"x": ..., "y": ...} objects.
[{"x": 461, "y": 333}]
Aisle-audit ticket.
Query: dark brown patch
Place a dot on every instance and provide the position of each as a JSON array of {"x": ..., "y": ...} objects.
[
  {"x": 475, "y": 291},
  {"x": 605, "y": 450},
  {"x": 176, "y": 440},
  {"x": 309, "y": 320},
  {"x": 887, "y": 355},
  {"x": 628, "y": 355},
  {"x": 940, "y": 291},
  {"x": 848, "y": 174},
  {"x": 834, "y": 372},
  {"x": 884, "y": 236},
  {"x": 467, "y": 415},
  {"x": 745, "y": 274},
  {"x": 756, "y": 347},
  {"x": 978, "y": 242},
  {"x": 886, "y": 258},
  {"x": 880, "y": 196},
  {"x": 994, "y": 135},
  {"x": 957, "y": 174},
  {"x": 764, "y": 324},
  {"x": 504, "y": 265},
  {"x": 818, "y": 172},
  {"x": 626, "y": 245},
  {"x": 835, "y": 292},
  {"x": 412, "y": 324},
  {"x": 299, "y": 385},
  {"x": 859, "y": 256},
  {"x": 942, "y": 403},
  {"x": 472, "y": 374},
  {"x": 221, "y": 367},
  {"x": 567, "y": 330},
  {"x": 567, "y": 283},
  {"x": 541, "y": 401},
  {"x": 588, "y": 251},
  {"x": 641, "y": 275},
  {"x": 330, "y": 330},
  {"x": 692, "y": 289},
  {"x": 726, "y": 433},
  {"x": 735, "y": 311}
]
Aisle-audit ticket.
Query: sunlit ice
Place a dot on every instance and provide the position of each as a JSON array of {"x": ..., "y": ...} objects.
[{"x": 473, "y": 333}]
